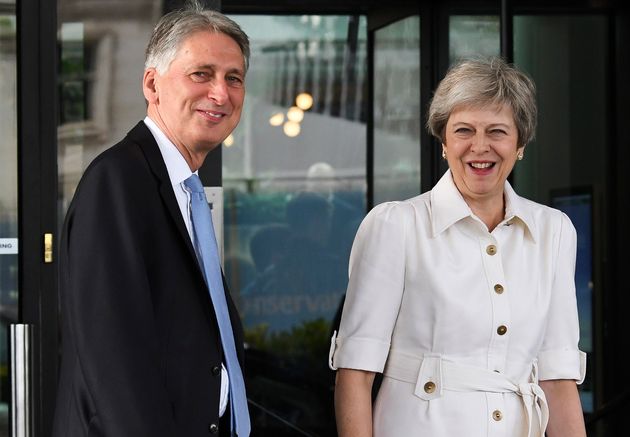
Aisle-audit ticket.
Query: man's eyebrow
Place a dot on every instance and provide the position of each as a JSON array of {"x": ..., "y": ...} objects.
[{"x": 236, "y": 70}]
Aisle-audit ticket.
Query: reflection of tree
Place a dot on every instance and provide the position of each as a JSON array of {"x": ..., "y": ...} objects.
[
  {"x": 286, "y": 371},
  {"x": 310, "y": 339}
]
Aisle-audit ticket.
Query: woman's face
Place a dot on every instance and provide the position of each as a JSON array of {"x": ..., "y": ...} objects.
[{"x": 481, "y": 149}]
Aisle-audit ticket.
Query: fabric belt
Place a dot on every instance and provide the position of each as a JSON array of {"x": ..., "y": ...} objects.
[{"x": 432, "y": 374}]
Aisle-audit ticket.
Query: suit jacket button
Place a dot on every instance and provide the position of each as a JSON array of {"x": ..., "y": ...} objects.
[
  {"x": 213, "y": 428},
  {"x": 216, "y": 370}
]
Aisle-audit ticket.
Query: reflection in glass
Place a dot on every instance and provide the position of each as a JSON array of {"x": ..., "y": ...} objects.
[
  {"x": 566, "y": 165},
  {"x": 8, "y": 201},
  {"x": 397, "y": 119},
  {"x": 473, "y": 35},
  {"x": 294, "y": 184},
  {"x": 101, "y": 51}
]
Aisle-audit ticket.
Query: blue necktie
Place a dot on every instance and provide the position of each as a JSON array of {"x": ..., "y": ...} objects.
[{"x": 207, "y": 250}]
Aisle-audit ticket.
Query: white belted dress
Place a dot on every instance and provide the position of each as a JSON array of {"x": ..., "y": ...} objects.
[{"x": 462, "y": 322}]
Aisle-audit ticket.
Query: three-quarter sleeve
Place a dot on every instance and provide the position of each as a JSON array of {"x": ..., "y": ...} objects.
[
  {"x": 560, "y": 357},
  {"x": 375, "y": 288}
]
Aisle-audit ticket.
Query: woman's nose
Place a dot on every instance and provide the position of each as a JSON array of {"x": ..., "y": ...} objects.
[{"x": 479, "y": 143}]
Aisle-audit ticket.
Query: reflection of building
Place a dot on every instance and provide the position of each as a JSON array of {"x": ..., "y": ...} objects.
[
  {"x": 101, "y": 62},
  {"x": 8, "y": 199},
  {"x": 370, "y": 74},
  {"x": 324, "y": 56}
]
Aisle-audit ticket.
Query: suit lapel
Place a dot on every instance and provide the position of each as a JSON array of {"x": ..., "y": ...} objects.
[{"x": 142, "y": 136}]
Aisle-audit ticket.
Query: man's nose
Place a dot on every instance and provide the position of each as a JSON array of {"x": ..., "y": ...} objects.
[{"x": 218, "y": 91}]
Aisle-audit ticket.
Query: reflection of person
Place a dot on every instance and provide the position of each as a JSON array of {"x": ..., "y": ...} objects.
[
  {"x": 142, "y": 351},
  {"x": 309, "y": 266},
  {"x": 302, "y": 280},
  {"x": 268, "y": 246},
  {"x": 464, "y": 296}
]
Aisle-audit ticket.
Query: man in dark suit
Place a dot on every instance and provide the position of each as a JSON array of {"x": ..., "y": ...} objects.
[{"x": 142, "y": 355}]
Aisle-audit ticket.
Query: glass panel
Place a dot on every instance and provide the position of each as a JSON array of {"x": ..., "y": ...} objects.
[
  {"x": 8, "y": 201},
  {"x": 397, "y": 118},
  {"x": 101, "y": 63},
  {"x": 294, "y": 184},
  {"x": 566, "y": 165},
  {"x": 473, "y": 35}
]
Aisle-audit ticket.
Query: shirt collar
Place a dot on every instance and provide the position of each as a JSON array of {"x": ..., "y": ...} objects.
[
  {"x": 176, "y": 165},
  {"x": 518, "y": 209},
  {"x": 448, "y": 207}
]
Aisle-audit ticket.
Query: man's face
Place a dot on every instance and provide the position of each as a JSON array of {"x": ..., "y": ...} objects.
[{"x": 197, "y": 102}]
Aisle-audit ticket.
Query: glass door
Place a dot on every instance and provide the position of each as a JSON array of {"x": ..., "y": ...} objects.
[
  {"x": 294, "y": 178},
  {"x": 396, "y": 111},
  {"x": 101, "y": 57},
  {"x": 8, "y": 201},
  {"x": 566, "y": 167}
]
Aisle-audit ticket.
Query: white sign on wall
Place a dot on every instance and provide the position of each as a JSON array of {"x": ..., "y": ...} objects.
[{"x": 8, "y": 246}]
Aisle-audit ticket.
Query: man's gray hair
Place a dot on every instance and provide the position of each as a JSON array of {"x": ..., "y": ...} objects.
[
  {"x": 478, "y": 83},
  {"x": 174, "y": 27}
]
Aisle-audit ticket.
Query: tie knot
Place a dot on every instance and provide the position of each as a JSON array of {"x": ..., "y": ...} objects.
[{"x": 193, "y": 183}]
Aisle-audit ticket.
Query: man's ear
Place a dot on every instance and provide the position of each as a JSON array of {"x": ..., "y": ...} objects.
[{"x": 149, "y": 85}]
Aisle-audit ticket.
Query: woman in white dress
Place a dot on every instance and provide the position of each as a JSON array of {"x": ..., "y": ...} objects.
[{"x": 464, "y": 297}]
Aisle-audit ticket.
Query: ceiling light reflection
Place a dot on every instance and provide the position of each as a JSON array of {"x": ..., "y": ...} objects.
[
  {"x": 291, "y": 129},
  {"x": 295, "y": 114},
  {"x": 304, "y": 101},
  {"x": 276, "y": 119}
]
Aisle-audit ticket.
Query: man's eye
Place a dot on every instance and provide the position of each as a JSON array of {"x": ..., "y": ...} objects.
[
  {"x": 235, "y": 80},
  {"x": 199, "y": 75}
]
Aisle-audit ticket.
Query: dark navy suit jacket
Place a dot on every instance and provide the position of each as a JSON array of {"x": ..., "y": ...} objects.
[{"x": 141, "y": 353}]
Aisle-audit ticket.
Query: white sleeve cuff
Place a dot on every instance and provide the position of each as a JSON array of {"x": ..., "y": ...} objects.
[
  {"x": 357, "y": 353},
  {"x": 562, "y": 364}
]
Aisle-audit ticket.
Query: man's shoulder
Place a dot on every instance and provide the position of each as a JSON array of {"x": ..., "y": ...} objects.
[
  {"x": 126, "y": 153},
  {"x": 125, "y": 164},
  {"x": 120, "y": 172}
]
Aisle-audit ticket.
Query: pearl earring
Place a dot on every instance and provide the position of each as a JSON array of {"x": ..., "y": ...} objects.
[
  {"x": 443, "y": 153},
  {"x": 519, "y": 155}
]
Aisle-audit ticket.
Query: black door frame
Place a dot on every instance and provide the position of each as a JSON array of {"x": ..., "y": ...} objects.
[{"x": 37, "y": 196}]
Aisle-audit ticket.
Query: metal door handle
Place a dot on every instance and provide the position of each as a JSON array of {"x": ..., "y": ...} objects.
[{"x": 21, "y": 367}]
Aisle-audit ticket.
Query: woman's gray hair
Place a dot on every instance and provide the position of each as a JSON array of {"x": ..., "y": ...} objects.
[
  {"x": 174, "y": 27},
  {"x": 480, "y": 83}
]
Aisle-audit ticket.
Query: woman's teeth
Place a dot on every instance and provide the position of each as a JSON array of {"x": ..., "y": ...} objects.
[{"x": 481, "y": 164}]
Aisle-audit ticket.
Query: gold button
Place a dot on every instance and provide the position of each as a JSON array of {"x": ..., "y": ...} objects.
[
  {"x": 497, "y": 415},
  {"x": 501, "y": 329},
  {"x": 498, "y": 288},
  {"x": 429, "y": 387},
  {"x": 491, "y": 249}
]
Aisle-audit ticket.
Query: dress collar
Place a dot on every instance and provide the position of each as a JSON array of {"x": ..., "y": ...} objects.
[{"x": 448, "y": 207}]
